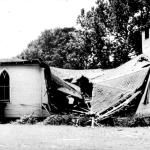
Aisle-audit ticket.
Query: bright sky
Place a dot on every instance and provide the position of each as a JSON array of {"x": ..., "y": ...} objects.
[{"x": 22, "y": 21}]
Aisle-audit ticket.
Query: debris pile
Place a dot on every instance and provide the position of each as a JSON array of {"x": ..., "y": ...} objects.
[{"x": 122, "y": 92}]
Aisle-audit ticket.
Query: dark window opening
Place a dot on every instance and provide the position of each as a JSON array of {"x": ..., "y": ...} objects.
[
  {"x": 4, "y": 86},
  {"x": 146, "y": 33}
]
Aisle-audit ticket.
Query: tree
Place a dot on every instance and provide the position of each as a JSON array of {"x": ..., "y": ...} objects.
[
  {"x": 77, "y": 51},
  {"x": 100, "y": 25},
  {"x": 112, "y": 32},
  {"x": 64, "y": 48},
  {"x": 50, "y": 46},
  {"x": 105, "y": 38}
]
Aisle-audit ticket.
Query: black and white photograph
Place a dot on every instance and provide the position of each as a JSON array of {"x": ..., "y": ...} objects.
[{"x": 74, "y": 74}]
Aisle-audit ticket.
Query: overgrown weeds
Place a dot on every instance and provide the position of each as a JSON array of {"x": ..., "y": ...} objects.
[
  {"x": 85, "y": 120},
  {"x": 27, "y": 119},
  {"x": 127, "y": 121},
  {"x": 58, "y": 120},
  {"x": 69, "y": 119}
]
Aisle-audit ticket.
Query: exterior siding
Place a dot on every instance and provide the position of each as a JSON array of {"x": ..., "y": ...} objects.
[
  {"x": 43, "y": 90},
  {"x": 15, "y": 111},
  {"x": 27, "y": 91}
]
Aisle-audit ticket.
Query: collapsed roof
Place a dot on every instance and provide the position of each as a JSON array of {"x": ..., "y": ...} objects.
[
  {"x": 112, "y": 95},
  {"x": 65, "y": 87},
  {"x": 115, "y": 89},
  {"x": 118, "y": 88},
  {"x": 97, "y": 75}
]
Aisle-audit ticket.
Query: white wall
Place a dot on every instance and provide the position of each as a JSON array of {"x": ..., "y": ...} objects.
[
  {"x": 27, "y": 84},
  {"x": 146, "y": 44},
  {"x": 27, "y": 90}
]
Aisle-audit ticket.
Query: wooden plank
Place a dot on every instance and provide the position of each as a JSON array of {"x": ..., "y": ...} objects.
[
  {"x": 119, "y": 107},
  {"x": 14, "y": 110}
]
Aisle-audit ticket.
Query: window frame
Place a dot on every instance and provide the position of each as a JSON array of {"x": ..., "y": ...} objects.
[{"x": 4, "y": 87}]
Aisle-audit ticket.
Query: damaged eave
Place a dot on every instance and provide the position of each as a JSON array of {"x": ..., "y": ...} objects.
[
  {"x": 70, "y": 92},
  {"x": 65, "y": 87},
  {"x": 19, "y": 62}
]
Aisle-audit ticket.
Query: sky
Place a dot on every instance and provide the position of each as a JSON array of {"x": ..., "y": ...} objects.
[{"x": 22, "y": 21}]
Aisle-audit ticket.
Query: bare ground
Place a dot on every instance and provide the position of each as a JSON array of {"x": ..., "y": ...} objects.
[{"x": 40, "y": 137}]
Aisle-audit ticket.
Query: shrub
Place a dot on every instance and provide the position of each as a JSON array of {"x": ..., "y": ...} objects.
[
  {"x": 27, "y": 119},
  {"x": 70, "y": 119},
  {"x": 128, "y": 121},
  {"x": 59, "y": 120},
  {"x": 139, "y": 121},
  {"x": 84, "y": 121}
]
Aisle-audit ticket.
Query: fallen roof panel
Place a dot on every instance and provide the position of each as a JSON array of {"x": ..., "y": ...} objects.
[{"x": 109, "y": 93}]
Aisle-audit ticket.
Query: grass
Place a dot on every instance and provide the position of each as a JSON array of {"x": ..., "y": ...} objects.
[{"x": 37, "y": 137}]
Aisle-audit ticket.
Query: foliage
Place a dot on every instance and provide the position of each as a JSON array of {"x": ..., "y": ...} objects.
[
  {"x": 113, "y": 33},
  {"x": 105, "y": 38},
  {"x": 84, "y": 121},
  {"x": 128, "y": 121},
  {"x": 58, "y": 119},
  {"x": 131, "y": 16},
  {"x": 50, "y": 47},
  {"x": 77, "y": 55},
  {"x": 27, "y": 119},
  {"x": 96, "y": 25},
  {"x": 69, "y": 119}
]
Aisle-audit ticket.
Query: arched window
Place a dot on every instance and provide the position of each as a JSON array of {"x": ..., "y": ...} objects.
[{"x": 4, "y": 86}]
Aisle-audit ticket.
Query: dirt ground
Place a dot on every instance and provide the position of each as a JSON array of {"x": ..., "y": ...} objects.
[{"x": 40, "y": 137}]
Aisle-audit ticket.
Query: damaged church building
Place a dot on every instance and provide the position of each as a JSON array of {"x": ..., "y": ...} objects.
[
  {"x": 28, "y": 87},
  {"x": 33, "y": 87},
  {"x": 120, "y": 92}
]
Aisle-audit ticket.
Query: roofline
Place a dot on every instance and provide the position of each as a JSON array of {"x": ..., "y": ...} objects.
[{"x": 25, "y": 62}]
